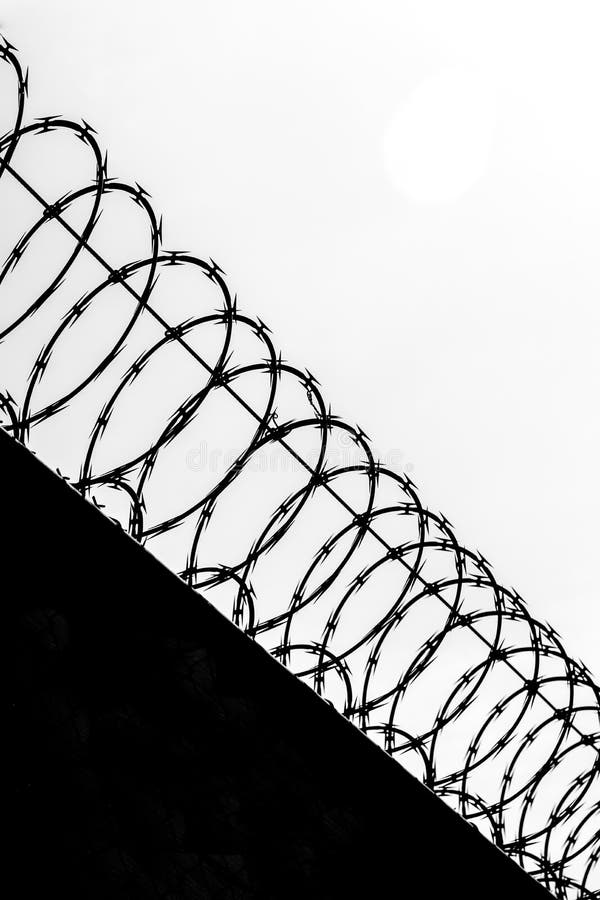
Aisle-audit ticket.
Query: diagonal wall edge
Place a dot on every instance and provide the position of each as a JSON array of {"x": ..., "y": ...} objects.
[{"x": 155, "y": 751}]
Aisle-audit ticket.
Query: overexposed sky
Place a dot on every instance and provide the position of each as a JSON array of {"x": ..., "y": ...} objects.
[{"x": 408, "y": 193}]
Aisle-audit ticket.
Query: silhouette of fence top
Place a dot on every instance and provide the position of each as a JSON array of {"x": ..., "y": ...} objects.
[
  {"x": 155, "y": 751},
  {"x": 133, "y": 370}
]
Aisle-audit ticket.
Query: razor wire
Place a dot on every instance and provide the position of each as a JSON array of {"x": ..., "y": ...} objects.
[{"x": 189, "y": 429}]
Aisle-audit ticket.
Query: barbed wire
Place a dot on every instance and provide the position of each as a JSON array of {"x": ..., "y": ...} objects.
[{"x": 325, "y": 555}]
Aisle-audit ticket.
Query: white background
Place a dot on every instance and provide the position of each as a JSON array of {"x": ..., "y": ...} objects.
[{"x": 408, "y": 193}]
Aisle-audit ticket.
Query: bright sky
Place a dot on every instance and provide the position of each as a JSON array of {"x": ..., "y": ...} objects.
[{"x": 408, "y": 193}]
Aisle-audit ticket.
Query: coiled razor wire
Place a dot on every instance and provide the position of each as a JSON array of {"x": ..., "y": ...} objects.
[{"x": 137, "y": 379}]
